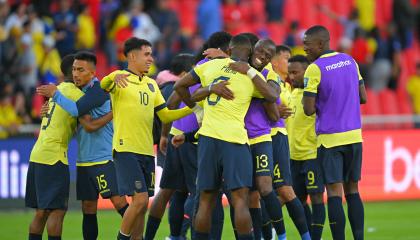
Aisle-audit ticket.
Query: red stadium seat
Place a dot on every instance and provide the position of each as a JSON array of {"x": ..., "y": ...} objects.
[
  {"x": 389, "y": 105},
  {"x": 371, "y": 108},
  {"x": 404, "y": 105}
]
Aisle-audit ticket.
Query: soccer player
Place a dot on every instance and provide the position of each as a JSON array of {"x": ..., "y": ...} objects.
[
  {"x": 334, "y": 91},
  {"x": 135, "y": 99},
  {"x": 306, "y": 172},
  {"x": 223, "y": 150},
  {"x": 48, "y": 179},
  {"x": 95, "y": 168},
  {"x": 282, "y": 175}
]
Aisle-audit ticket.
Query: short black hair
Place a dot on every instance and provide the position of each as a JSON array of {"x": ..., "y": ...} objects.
[
  {"x": 182, "y": 62},
  {"x": 283, "y": 48},
  {"x": 253, "y": 39},
  {"x": 134, "y": 43},
  {"x": 85, "y": 56},
  {"x": 66, "y": 65},
  {"x": 219, "y": 40},
  {"x": 300, "y": 59},
  {"x": 240, "y": 40},
  {"x": 320, "y": 31}
]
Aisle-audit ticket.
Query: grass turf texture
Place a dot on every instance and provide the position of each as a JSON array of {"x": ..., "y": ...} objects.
[{"x": 384, "y": 220}]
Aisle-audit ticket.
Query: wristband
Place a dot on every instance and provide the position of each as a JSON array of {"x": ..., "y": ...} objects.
[
  {"x": 251, "y": 72},
  {"x": 209, "y": 88}
]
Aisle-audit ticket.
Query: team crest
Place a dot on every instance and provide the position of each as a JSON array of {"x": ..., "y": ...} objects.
[
  {"x": 305, "y": 82},
  {"x": 138, "y": 185},
  {"x": 151, "y": 87}
]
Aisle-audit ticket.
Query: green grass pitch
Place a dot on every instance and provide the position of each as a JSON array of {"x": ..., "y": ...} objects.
[{"x": 384, "y": 220}]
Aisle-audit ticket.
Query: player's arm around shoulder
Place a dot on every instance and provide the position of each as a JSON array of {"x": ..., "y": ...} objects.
[{"x": 113, "y": 80}]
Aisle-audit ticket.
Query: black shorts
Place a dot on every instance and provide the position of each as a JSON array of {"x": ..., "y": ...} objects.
[
  {"x": 341, "y": 163},
  {"x": 180, "y": 167},
  {"x": 307, "y": 177},
  {"x": 47, "y": 186},
  {"x": 262, "y": 158},
  {"x": 281, "y": 155},
  {"x": 220, "y": 160},
  {"x": 96, "y": 179},
  {"x": 135, "y": 173}
]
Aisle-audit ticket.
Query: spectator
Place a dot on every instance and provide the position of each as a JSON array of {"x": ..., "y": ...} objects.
[
  {"x": 9, "y": 121},
  {"x": 66, "y": 26},
  {"x": 50, "y": 68},
  {"x": 350, "y": 23},
  {"x": 274, "y": 10},
  {"x": 360, "y": 52},
  {"x": 142, "y": 24},
  {"x": 293, "y": 36},
  {"x": 17, "y": 18},
  {"x": 167, "y": 21},
  {"x": 209, "y": 18},
  {"x": 233, "y": 17},
  {"x": 27, "y": 62},
  {"x": 403, "y": 16},
  {"x": 120, "y": 20},
  {"x": 86, "y": 35},
  {"x": 413, "y": 89}
]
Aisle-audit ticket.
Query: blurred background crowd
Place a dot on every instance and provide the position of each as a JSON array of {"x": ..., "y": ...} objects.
[{"x": 382, "y": 35}]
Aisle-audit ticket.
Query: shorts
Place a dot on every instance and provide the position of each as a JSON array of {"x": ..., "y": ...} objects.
[
  {"x": 262, "y": 158},
  {"x": 135, "y": 173},
  {"x": 307, "y": 177},
  {"x": 220, "y": 160},
  {"x": 341, "y": 163},
  {"x": 281, "y": 155},
  {"x": 180, "y": 167},
  {"x": 47, "y": 186},
  {"x": 96, "y": 179}
]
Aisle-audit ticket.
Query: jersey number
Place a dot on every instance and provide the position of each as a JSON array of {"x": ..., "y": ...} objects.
[
  {"x": 144, "y": 98},
  {"x": 311, "y": 178},
  {"x": 49, "y": 116},
  {"x": 102, "y": 183},
  {"x": 262, "y": 161},
  {"x": 215, "y": 81},
  {"x": 277, "y": 171}
]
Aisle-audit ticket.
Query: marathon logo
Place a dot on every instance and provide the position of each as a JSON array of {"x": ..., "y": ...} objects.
[{"x": 338, "y": 65}]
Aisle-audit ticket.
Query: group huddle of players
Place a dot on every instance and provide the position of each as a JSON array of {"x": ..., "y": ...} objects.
[{"x": 230, "y": 125}]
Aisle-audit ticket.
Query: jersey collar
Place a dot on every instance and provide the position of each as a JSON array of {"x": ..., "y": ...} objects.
[
  {"x": 90, "y": 84},
  {"x": 326, "y": 52},
  {"x": 128, "y": 70}
]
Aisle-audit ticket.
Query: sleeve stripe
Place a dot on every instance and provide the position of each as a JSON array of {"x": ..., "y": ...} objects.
[
  {"x": 195, "y": 75},
  {"x": 274, "y": 81},
  {"x": 309, "y": 94},
  {"x": 113, "y": 87},
  {"x": 361, "y": 82},
  {"x": 160, "y": 107}
]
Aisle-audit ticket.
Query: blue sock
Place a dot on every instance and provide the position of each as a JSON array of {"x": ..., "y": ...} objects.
[
  {"x": 297, "y": 214},
  {"x": 318, "y": 220},
  {"x": 90, "y": 227},
  {"x": 122, "y": 210},
  {"x": 123, "y": 236},
  {"x": 356, "y": 215},
  {"x": 188, "y": 214},
  {"x": 176, "y": 213},
  {"x": 273, "y": 207},
  {"x": 336, "y": 217},
  {"x": 281, "y": 236},
  {"x": 33, "y": 236},
  {"x": 306, "y": 236},
  {"x": 256, "y": 221},
  {"x": 249, "y": 236},
  {"x": 217, "y": 219},
  {"x": 201, "y": 236},
  {"x": 308, "y": 215},
  {"x": 151, "y": 227},
  {"x": 266, "y": 222}
]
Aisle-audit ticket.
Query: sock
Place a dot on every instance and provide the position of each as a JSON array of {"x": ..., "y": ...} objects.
[
  {"x": 356, "y": 215},
  {"x": 318, "y": 220},
  {"x": 308, "y": 216},
  {"x": 266, "y": 222},
  {"x": 122, "y": 236},
  {"x": 90, "y": 226},
  {"x": 273, "y": 207},
  {"x": 54, "y": 237},
  {"x": 249, "y": 236},
  {"x": 297, "y": 214},
  {"x": 281, "y": 236},
  {"x": 201, "y": 236},
  {"x": 188, "y": 214},
  {"x": 122, "y": 210},
  {"x": 256, "y": 221},
  {"x": 176, "y": 213},
  {"x": 336, "y": 217},
  {"x": 34, "y": 236},
  {"x": 217, "y": 219},
  {"x": 151, "y": 227}
]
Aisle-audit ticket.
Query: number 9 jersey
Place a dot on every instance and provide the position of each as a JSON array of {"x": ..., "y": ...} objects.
[{"x": 57, "y": 128}]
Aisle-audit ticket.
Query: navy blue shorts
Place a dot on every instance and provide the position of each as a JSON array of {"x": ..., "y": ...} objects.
[
  {"x": 180, "y": 167},
  {"x": 281, "y": 155},
  {"x": 307, "y": 177},
  {"x": 135, "y": 173},
  {"x": 341, "y": 163},
  {"x": 95, "y": 180},
  {"x": 47, "y": 186},
  {"x": 220, "y": 160},
  {"x": 262, "y": 159}
]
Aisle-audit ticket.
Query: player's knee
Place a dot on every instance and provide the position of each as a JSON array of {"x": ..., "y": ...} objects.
[
  {"x": 286, "y": 194},
  {"x": 254, "y": 199},
  {"x": 118, "y": 202},
  {"x": 317, "y": 198},
  {"x": 351, "y": 187},
  {"x": 41, "y": 215},
  {"x": 240, "y": 198},
  {"x": 335, "y": 190},
  {"x": 89, "y": 207},
  {"x": 264, "y": 185},
  {"x": 140, "y": 201}
]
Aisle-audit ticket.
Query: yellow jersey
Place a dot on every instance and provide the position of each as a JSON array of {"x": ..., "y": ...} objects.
[
  {"x": 301, "y": 129},
  {"x": 224, "y": 119},
  {"x": 57, "y": 128}
]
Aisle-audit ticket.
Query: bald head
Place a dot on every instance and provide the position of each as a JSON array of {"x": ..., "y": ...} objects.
[
  {"x": 319, "y": 32},
  {"x": 240, "y": 48},
  {"x": 316, "y": 41},
  {"x": 264, "y": 51}
]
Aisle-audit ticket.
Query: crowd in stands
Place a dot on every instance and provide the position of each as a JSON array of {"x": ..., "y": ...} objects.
[{"x": 34, "y": 38}]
